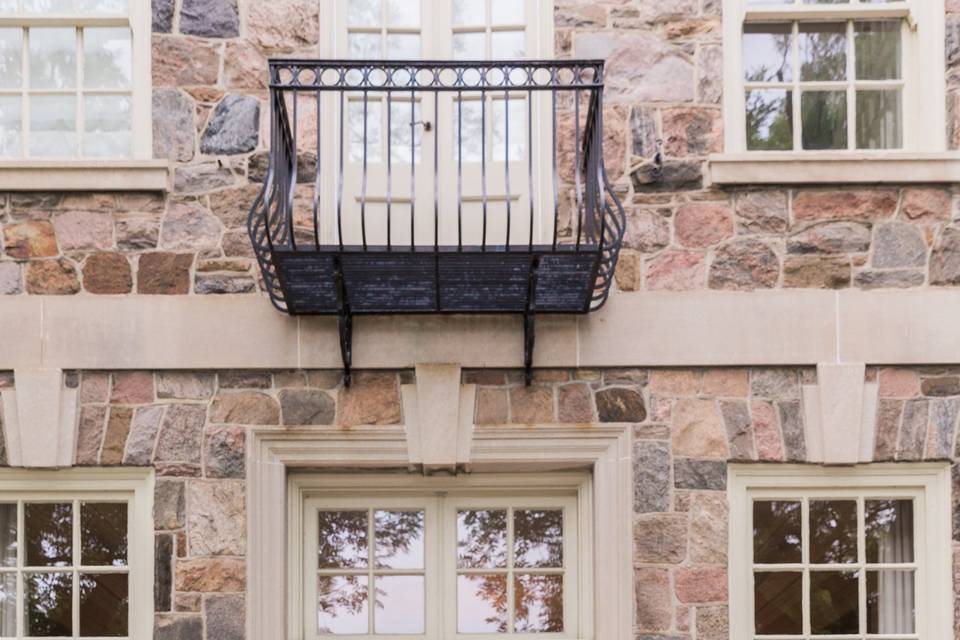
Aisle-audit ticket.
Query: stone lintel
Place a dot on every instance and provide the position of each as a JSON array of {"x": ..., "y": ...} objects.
[
  {"x": 439, "y": 418},
  {"x": 840, "y": 413},
  {"x": 39, "y": 419}
]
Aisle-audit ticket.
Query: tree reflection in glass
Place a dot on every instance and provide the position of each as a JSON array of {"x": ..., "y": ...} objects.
[
  {"x": 104, "y": 603},
  {"x": 482, "y": 603},
  {"x": 538, "y": 603},
  {"x": 342, "y": 604},
  {"x": 538, "y": 538},
  {"x": 103, "y": 534},
  {"x": 888, "y": 527},
  {"x": 776, "y": 532},
  {"x": 823, "y": 51},
  {"x": 399, "y": 539},
  {"x": 343, "y": 539},
  {"x": 49, "y": 604},
  {"x": 8, "y": 535},
  {"x": 482, "y": 539},
  {"x": 48, "y": 534},
  {"x": 833, "y": 531}
]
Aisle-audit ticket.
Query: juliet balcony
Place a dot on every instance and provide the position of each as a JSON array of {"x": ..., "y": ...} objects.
[{"x": 436, "y": 188}]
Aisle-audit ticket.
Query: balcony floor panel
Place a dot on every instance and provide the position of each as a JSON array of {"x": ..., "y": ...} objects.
[{"x": 448, "y": 280}]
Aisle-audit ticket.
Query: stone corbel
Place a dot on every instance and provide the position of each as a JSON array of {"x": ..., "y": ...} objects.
[
  {"x": 39, "y": 419},
  {"x": 840, "y": 415},
  {"x": 438, "y": 412}
]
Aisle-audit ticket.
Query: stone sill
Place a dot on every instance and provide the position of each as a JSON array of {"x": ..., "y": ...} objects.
[
  {"x": 833, "y": 168},
  {"x": 84, "y": 175}
]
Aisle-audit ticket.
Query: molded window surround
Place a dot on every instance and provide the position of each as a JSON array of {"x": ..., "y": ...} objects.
[
  {"x": 922, "y": 156},
  {"x": 926, "y": 485},
  {"x": 275, "y": 492}
]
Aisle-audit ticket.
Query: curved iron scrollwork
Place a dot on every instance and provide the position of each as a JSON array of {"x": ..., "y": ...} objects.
[{"x": 340, "y": 229}]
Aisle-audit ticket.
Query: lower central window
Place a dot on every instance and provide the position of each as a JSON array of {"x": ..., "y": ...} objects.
[{"x": 442, "y": 564}]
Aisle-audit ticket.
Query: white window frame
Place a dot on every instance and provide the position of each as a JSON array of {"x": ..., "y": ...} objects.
[
  {"x": 929, "y": 484},
  {"x": 139, "y": 172},
  {"x": 135, "y": 486},
  {"x": 440, "y": 497},
  {"x": 924, "y": 70}
]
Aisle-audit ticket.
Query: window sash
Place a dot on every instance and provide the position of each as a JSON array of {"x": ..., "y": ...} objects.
[{"x": 440, "y": 543}]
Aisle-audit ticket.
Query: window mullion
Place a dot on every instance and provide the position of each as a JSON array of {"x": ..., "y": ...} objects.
[
  {"x": 80, "y": 82},
  {"x": 862, "y": 560},
  {"x": 371, "y": 591},
  {"x": 21, "y": 609},
  {"x": 805, "y": 559},
  {"x": 795, "y": 105},
  {"x": 851, "y": 90},
  {"x": 511, "y": 611},
  {"x": 77, "y": 561},
  {"x": 25, "y": 94}
]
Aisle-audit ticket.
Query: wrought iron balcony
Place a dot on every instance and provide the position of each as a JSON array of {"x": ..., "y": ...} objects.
[{"x": 436, "y": 187}]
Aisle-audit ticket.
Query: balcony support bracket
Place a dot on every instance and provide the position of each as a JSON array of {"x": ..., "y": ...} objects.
[
  {"x": 345, "y": 322},
  {"x": 529, "y": 328}
]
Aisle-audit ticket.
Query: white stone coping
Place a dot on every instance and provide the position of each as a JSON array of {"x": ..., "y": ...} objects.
[
  {"x": 840, "y": 167},
  {"x": 84, "y": 175},
  {"x": 644, "y": 329}
]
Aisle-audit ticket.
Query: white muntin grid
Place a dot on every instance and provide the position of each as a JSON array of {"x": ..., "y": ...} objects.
[
  {"x": 850, "y": 86},
  {"x": 75, "y": 569},
  {"x": 79, "y": 20},
  {"x": 859, "y": 568}
]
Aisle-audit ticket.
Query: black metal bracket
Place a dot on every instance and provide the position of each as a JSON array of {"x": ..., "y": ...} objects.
[
  {"x": 529, "y": 316},
  {"x": 345, "y": 323}
]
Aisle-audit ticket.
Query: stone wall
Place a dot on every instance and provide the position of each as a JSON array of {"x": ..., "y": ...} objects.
[
  {"x": 193, "y": 427},
  {"x": 664, "y": 83}
]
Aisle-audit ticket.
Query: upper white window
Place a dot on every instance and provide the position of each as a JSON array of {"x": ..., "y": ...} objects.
[
  {"x": 76, "y": 555},
  {"x": 855, "y": 75},
  {"x": 74, "y": 79},
  {"x": 445, "y": 561},
  {"x": 853, "y": 553}
]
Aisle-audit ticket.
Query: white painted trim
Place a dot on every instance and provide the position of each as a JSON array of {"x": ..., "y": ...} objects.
[
  {"x": 839, "y": 167},
  {"x": 933, "y": 545},
  {"x": 604, "y": 449},
  {"x": 690, "y": 328},
  {"x": 85, "y": 175},
  {"x": 134, "y": 485},
  {"x": 924, "y": 72}
]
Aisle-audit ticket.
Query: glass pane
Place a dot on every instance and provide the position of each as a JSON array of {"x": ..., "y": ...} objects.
[
  {"x": 834, "y": 607},
  {"x": 363, "y": 13},
  {"x": 400, "y": 131},
  {"x": 468, "y": 129},
  {"x": 769, "y": 120},
  {"x": 53, "y": 58},
  {"x": 403, "y": 13},
  {"x": 517, "y": 126},
  {"x": 482, "y": 604},
  {"x": 778, "y": 603},
  {"x": 53, "y": 121},
  {"x": 878, "y": 51},
  {"x": 343, "y": 540},
  {"x": 102, "y": 6},
  {"x": 342, "y": 605},
  {"x": 373, "y": 137},
  {"x": 8, "y": 6},
  {"x": 109, "y": 126},
  {"x": 399, "y": 539},
  {"x": 10, "y": 125},
  {"x": 509, "y": 45},
  {"x": 889, "y": 531},
  {"x": 776, "y": 532},
  {"x": 403, "y": 46},
  {"x": 8, "y": 605},
  {"x": 104, "y": 602},
  {"x": 49, "y": 604},
  {"x": 103, "y": 534},
  {"x": 400, "y": 605},
  {"x": 107, "y": 58},
  {"x": 8, "y": 524},
  {"x": 364, "y": 46},
  {"x": 538, "y": 538},
  {"x": 11, "y": 58},
  {"x": 506, "y": 11},
  {"x": 824, "y": 117},
  {"x": 767, "y": 52},
  {"x": 48, "y": 6},
  {"x": 538, "y": 602},
  {"x": 879, "y": 123},
  {"x": 833, "y": 531},
  {"x": 823, "y": 51},
  {"x": 891, "y": 607},
  {"x": 482, "y": 539},
  {"x": 469, "y": 13},
  {"x": 48, "y": 534},
  {"x": 469, "y": 46}
]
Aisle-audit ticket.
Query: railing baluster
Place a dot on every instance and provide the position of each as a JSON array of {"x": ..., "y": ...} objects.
[
  {"x": 576, "y": 142},
  {"x": 413, "y": 164},
  {"x": 389, "y": 166},
  {"x": 296, "y": 161},
  {"x": 317, "y": 173},
  {"x": 460, "y": 170},
  {"x": 363, "y": 187},
  {"x": 436, "y": 171},
  {"x": 483, "y": 161},
  {"x": 506, "y": 158},
  {"x": 343, "y": 116},
  {"x": 530, "y": 155},
  {"x": 553, "y": 158}
]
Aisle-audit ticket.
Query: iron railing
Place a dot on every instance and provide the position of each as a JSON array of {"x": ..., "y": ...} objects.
[{"x": 343, "y": 225}]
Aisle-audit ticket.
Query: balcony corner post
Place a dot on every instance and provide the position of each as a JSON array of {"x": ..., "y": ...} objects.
[{"x": 344, "y": 322}]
